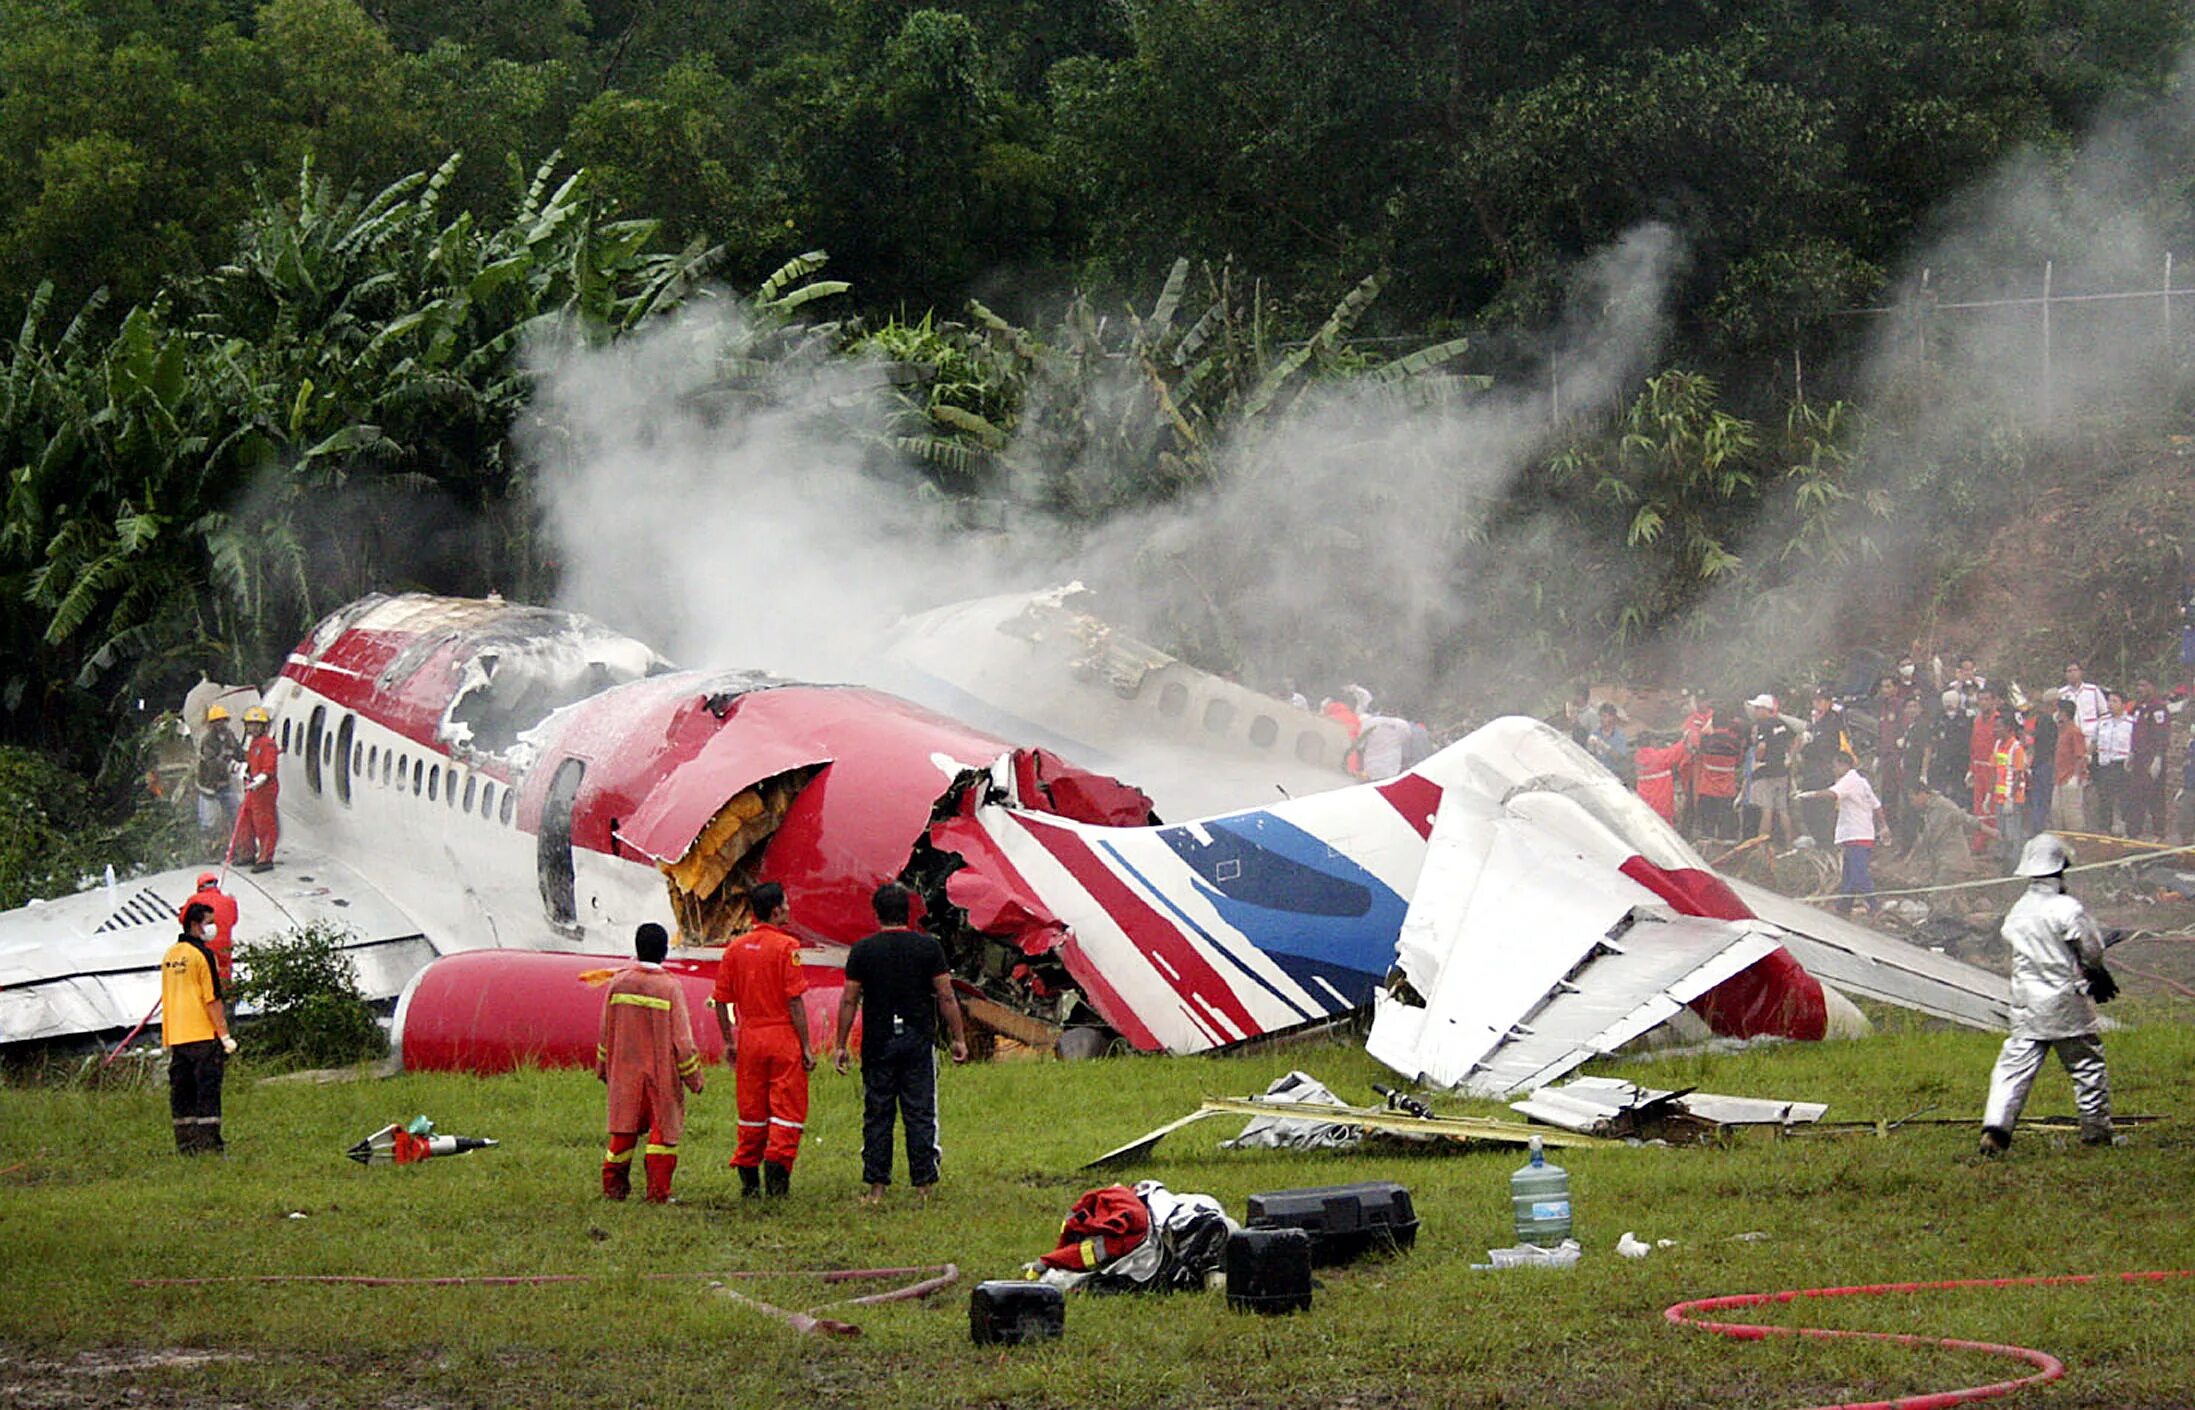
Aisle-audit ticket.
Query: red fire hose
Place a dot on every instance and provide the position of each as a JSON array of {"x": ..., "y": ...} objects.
[{"x": 2047, "y": 1367}]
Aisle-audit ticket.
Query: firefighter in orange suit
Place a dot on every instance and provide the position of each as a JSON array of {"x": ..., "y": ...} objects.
[
  {"x": 648, "y": 1058},
  {"x": 223, "y": 906},
  {"x": 256, "y": 833},
  {"x": 765, "y": 1027}
]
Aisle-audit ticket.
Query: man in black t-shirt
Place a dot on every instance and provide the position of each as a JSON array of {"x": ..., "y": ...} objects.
[{"x": 899, "y": 981}]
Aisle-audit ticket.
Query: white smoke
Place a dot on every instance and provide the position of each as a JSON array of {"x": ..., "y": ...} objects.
[
  {"x": 768, "y": 530},
  {"x": 726, "y": 520},
  {"x": 1973, "y": 409}
]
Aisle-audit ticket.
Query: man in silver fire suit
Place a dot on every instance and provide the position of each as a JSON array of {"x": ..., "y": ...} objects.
[{"x": 2057, "y": 953}]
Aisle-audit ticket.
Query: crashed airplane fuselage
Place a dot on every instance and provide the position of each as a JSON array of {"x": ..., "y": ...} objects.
[{"x": 501, "y": 777}]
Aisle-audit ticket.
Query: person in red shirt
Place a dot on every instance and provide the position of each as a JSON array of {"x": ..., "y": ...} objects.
[
  {"x": 223, "y": 906},
  {"x": 2071, "y": 768},
  {"x": 257, "y": 831},
  {"x": 1658, "y": 766},
  {"x": 648, "y": 1059},
  {"x": 765, "y": 1027}
]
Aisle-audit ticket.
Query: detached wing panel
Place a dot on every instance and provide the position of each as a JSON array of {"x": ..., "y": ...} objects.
[
  {"x": 1530, "y": 958},
  {"x": 90, "y": 963}
]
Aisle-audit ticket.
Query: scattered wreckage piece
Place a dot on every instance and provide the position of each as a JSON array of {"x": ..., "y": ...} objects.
[
  {"x": 1491, "y": 1130},
  {"x": 1290, "y": 1133},
  {"x": 1884, "y": 1126},
  {"x": 412, "y": 1142},
  {"x": 1607, "y": 1106}
]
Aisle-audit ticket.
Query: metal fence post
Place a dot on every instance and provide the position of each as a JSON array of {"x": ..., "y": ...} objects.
[{"x": 2046, "y": 339}]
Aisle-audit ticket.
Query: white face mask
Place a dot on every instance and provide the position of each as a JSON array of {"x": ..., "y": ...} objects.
[{"x": 205, "y": 932}]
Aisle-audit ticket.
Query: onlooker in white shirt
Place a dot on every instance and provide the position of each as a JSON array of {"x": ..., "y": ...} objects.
[{"x": 2087, "y": 698}]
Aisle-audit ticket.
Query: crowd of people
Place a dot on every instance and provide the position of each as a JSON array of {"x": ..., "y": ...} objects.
[{"x": 1940, "y": 767}]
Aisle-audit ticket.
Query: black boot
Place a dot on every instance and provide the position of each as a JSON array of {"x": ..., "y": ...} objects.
[
  {"x": 776, "y": 1179},
  {"x": 1995, "y": 1142},
  {"x": 750, "y": 1181}
]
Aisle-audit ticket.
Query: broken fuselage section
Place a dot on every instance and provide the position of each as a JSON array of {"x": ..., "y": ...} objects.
[{"x": 515, "y": 778}]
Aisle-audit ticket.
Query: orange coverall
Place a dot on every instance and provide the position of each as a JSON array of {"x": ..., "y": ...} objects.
[
  {"x": 648, "y": 1058},
  {"x": 758, "y": 981},
  {"x": 257, "y": 832}
]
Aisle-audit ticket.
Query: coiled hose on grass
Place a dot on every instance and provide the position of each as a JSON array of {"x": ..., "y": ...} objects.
[{"x": 2047, "y": 1367}]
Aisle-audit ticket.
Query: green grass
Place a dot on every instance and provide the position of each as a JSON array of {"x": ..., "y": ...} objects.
[{"x": 94, "y": 1198}]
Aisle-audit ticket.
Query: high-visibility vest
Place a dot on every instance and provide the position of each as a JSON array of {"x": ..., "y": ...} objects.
[{"x": 2010, "y": 762}]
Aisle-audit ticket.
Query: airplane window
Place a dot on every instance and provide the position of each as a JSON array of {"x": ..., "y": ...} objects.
[
  {"x": 510, "y": 805},
  {"x": 343, "y": 747},
  {"x": 469, "y": 782},
  {"x": 1218, "y": 715},
  {"x": 285, "y": 736},
  {"x": 449, "y": 795},
  {"x": 487, "y": 802},
  {"x": 553, "y": 844},
  {"x": 1310, "y": 748},
  {"x": 327, "y": 750},
  {"x": 373, "y": 761},
  {"x": 1263, "y": 731},
  {"x": 388, "y": 765},
  {"x": 316, "y": 739},
  {"x": 1174, "y": 699},
  {"x": 434, "y": 781},
  {"x": 419, "y": 776}
]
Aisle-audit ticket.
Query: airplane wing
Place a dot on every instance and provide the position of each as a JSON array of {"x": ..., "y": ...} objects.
[
  {"x": 90, "y": 963},
  {"x": 1876, "y": 966},
  {"x": 1524, "y": 959}
]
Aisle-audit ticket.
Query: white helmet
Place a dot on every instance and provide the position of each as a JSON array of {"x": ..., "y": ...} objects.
[{"x": 2044, "y": 855}]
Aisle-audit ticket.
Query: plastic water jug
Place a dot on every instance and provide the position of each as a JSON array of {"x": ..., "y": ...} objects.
[{"x": 1540, "y": 1194}]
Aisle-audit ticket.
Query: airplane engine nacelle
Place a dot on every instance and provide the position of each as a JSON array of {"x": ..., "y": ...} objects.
[{"x": 490, "y": 1011}]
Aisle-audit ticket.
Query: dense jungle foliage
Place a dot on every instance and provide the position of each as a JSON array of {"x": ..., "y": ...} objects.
[{"x": 252, "y": 253}]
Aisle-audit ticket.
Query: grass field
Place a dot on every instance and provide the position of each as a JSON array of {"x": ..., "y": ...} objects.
[{"x": 90, "y": 1197}]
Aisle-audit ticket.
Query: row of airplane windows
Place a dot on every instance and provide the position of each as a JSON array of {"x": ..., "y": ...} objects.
[
  {"x": 371, "y": 763},
  {"x": 1219, "y": 717}
]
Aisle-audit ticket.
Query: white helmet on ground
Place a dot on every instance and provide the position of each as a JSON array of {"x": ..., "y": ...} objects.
[{"x": 2044, "y": 855}]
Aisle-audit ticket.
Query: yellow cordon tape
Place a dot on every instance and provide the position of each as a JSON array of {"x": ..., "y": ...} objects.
[{"x": 2150, "y": 855}]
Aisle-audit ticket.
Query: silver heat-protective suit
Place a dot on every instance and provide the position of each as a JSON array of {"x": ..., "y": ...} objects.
[{"x": 2052, "y": 936}]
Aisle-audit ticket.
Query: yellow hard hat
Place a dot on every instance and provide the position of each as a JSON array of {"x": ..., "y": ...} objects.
[
  {"x": 256, "y": 715},
  {"x": 216, "y": 712}
]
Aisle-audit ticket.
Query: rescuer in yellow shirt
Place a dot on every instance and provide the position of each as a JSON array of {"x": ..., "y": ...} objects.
[{"x": 195, "y": 1031}]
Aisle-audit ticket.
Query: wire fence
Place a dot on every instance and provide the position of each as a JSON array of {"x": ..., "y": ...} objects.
[{"x": 2060, "y": 347}]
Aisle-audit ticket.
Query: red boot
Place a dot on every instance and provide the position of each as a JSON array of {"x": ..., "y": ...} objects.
[
  {"x": 617, "y": 1165},
  {"x": 662, "y": 1160}
]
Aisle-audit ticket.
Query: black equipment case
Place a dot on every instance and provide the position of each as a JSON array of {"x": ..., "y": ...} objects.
[
  {"x": 1342, "y": 1220},
  {"x": 1007, "y": 1311},
  {"x": 1268, "y": 1270}
]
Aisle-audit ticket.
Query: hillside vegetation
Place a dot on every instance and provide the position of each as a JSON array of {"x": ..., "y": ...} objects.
[{"x": 280, "y": 279}]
